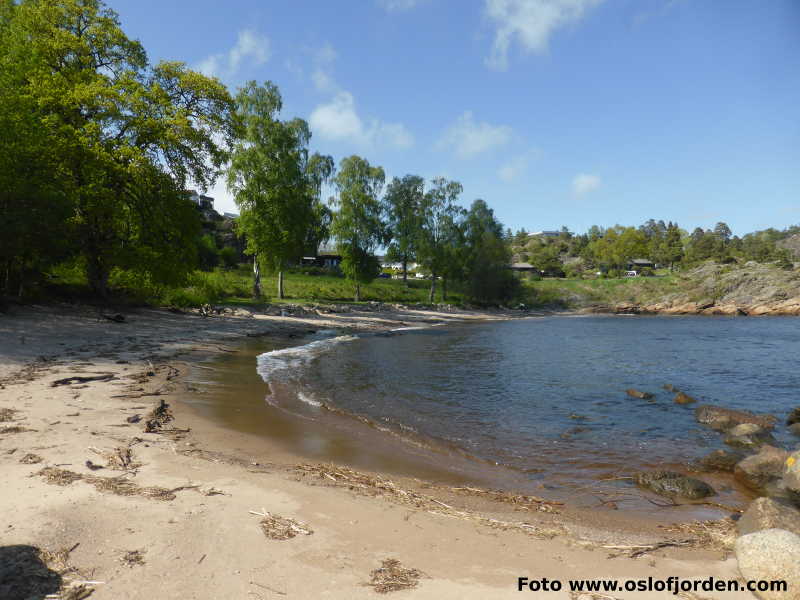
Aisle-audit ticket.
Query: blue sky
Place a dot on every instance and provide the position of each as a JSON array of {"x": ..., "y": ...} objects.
[{"x": 556, "y": 112}]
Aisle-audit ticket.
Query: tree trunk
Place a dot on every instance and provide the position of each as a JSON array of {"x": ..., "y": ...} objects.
[
  {"x": 97, "y": 274},
  {"x": 444, "y": 289},
  {"x": 433, "y": 288},
  {"x": 256, "y": 278},
  {"x": 358, "y": 292},
  {"x": 405, "y": 272},
  {"x": 280, "y": 285}
]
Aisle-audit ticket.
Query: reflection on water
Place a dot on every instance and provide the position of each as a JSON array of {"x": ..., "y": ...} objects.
[{"x": 544, "y": 398}]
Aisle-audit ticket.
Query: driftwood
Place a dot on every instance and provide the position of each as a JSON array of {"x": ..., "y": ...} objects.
[
  {"x": 115, "y": 318},
  {"x": 81, "y": 379}
]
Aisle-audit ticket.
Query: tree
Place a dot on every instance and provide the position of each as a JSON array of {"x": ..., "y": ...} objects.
[
  {"x": 319, "y": 172},
  {"x": 488, "y": 277},
  {"x": 438, "y": 215},
  {"x": 269, "y": 178},
  {"x": 357, "y": 224},
  {"x": 124, "y": 136},
  {"x": 402, "y": 203}
]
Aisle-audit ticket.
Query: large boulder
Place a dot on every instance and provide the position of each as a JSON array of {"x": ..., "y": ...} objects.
[
  {"x": 795, "y": 429},
  {"x": 748, "y": 435},
  {"x": 791, "y": 476},
  {"x": 769, "y": 513},
  {"x": 794, "y": 416},
  {"x": 761, "y": 471},
  {"x": 771, "y": 555},
  {"x": 672, "y": 484},
  {"x": 637, "y": 394},
  {"x": 722, "y": 419},
  {"x": 719, "y": 460}
]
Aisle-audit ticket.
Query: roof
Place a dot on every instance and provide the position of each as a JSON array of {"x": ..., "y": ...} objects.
[
  {"x": 641, "y": 261},
  {"x": 522, "y": 265}
]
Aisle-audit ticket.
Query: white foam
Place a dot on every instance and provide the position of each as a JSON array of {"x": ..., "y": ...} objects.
[
  {"x": 308, "y": 399},
  {"x": 280, "y": 365}
]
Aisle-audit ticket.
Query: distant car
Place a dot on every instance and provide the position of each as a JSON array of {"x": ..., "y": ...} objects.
[
  {"x": 384, "y": 276},
  {"x": 631, "y": 274}
]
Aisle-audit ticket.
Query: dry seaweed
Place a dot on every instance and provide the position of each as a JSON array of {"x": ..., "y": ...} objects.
[
  {"x": 82, "y": 379},
  {"x": 7, "y": 414},
  {"x": 160, "y": 415},
  {"x": 133, "y": 558},
  {"x": 120, "y": 458},
  {"x": 56, "y": 476},
  {"x": 519, "y": 501},
  {"x": 14, "y": 429},
  {"x": 392, "y": 576},
  {"x": 715, "y": 535},
  {"x": 30, "y": 459},
  {"x": 276, "y": 527},
  {"x": 120, "y": 485}
]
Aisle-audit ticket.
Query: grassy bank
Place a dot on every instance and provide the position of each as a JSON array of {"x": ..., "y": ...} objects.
[{"x": 575, "y": 293}]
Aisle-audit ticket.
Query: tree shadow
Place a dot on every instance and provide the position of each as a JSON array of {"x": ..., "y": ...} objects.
[{"x": 24, "y": 575}]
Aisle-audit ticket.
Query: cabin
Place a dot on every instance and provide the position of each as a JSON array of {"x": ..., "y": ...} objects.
[
  {"x": 637, "y": 264},
  {"x": 544, "y": 234},
  {"x": 324, "y": 261},
  {"x": 522, "y": 267}
]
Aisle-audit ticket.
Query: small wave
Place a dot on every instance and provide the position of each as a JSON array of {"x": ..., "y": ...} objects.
[
  {"x": 281, "y": 365},
  {"x": 303, "y": 397}
]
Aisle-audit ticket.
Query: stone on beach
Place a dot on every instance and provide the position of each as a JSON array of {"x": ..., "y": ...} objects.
[
  {"x": 761, "y": 471},
  {"x": 791, "y": 476},
  {"x": 771, "y": 555},
  {"x": 794, "y": 416},
  {"x": 769, "y": 513},
  {"x": 637, "y": 394},
  {"x": 672, "y": 484},
  {"x": 749, "y": 435},
  {"x": 720, "y": 460},
  {"x": 722, "y": 419}
]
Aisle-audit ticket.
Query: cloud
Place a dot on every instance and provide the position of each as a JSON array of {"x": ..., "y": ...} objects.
[
  {"x": 339, "y": 120},
  {"x": 469, "y": 138},
  {"x": 398, "y": 5},
  {"x": 530, "y": 23},
  {"x": 583, "y": 184},
  {"x": 517, "y": 165},
  {"x": 251, "y": 48}
]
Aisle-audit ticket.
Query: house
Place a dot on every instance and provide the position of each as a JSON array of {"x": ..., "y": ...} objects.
[
  {"x": 637, "y": 264},
  {"x": 323, "y": 260},
  {"x": 522, "y": 267},
  {"x": 546, "y": 234},
  {"x": 229, "y": 215},
  {"x": 203, "y": 202}
]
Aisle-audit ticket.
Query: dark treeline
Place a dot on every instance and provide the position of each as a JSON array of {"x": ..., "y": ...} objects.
[
  {"x": 99, "y": 147},
  {"x": 610, "y": 250}
]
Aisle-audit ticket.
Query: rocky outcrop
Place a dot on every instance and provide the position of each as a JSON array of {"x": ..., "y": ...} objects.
[
  {"x": 748, "y": 435},
  {"x": 723, "y": 419},
  {"x": 769, "y": 513},
  {"x": 637, "y": 394},
  {"x": 761, "y": 472},
  {"x": 672, "y": 484},
  {"x": 794, "y": 417},
  {"x": 681, "y": 398},
  {"x": 791, "y": 476},
  {"x": 771, "y": 555}
]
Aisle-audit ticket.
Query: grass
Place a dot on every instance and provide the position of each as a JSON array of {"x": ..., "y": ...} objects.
[{"x": 569, "y": 293}]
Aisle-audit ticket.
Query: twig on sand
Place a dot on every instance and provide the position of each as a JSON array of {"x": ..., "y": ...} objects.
[
  {"x": 81, "y": 379},
  {"x": 392, "y": 576},
  {"x": 280, "y": 528},
  {"x": 269, "y": 589},
  {"x": 640, "y": 549}
]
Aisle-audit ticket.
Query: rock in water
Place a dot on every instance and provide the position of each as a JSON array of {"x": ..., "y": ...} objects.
[
  {"x": 681, "y": 398},
  {"x": 795, "y": 429},
  {"x": 762, "y": 470},
  {"x": 749, "y": 435},
  {"x": 791, "y": 476},
  {"x": 794, "y": 417},
  {"x": 769, "y": 555},
  {"x": 769, "y": 513},
  {"x": 722, "y": 419},
  {"x": 637, "y": 394},
  {"x": 720, "y": 460},
  {"x": 669, "y": 387},
  {"x": 672, "y": 484}
]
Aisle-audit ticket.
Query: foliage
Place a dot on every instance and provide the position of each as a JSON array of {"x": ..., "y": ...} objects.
[{"x": 402, "y": 204}]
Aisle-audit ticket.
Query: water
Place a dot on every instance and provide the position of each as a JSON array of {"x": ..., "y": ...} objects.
[{"x": 543, "y": 398}]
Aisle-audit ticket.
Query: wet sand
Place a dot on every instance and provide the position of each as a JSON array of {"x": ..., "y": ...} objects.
[{"x": 197, "y": 535}]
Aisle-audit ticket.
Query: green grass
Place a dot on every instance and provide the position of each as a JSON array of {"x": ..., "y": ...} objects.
[{"x": 570, "y": 293}]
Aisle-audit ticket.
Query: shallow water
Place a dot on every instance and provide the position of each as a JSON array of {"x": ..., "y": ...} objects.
[{"x": 541, "y": 398}]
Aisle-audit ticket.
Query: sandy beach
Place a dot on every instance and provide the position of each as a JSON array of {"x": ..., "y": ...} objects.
[{"x": 105, "y": 492}]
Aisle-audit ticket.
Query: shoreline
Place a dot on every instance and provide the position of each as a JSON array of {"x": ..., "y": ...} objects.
[{"x": 68, "y": 419}]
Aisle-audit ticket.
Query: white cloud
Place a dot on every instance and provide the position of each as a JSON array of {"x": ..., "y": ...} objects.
[
  {"x": 530, "y": 23},
  {"x": 398, "y": 5},
  {"x": 517, "y": 165},
  {"x": 469, "y": 138},
  {"x": 584, "y": 183},
  {"x": 339, "y": 120},
  {"x": 251, "y": 48}
]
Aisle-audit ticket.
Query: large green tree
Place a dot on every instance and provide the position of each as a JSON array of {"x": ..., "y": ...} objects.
[
  {"x": 268, "y": 176},
  {"x": 402, "y": 203},
  {"x": 438, "y": 215},
  {"x": 357, "y": 224},
  {"x": 123, "y": 137}
]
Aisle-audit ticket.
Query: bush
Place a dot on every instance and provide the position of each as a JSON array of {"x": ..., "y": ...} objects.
[{"x": 229, "y": 257}]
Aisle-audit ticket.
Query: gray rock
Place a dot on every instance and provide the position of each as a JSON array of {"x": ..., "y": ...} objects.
[
  {"x": 791, "y": 476},
  {"x": 749, "y": 435},
  {"x": 672, "y": 484},
  {"x": 760, "y": 471},
  {"x": 681, "y": 398},
  {"x": 770, "y": 555},
  {"x": 722, "y": 419},
  {"x": 720, "y": 460},
  {"x": 669, "y": 387},
  {"x": 794, "y": 417},
  {"x": 769, "y": 513},
  {"x": 637, "y": 394},
  {"x": 795, "y": 429}
]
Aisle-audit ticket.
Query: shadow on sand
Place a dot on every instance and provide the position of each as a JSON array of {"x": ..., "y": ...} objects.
[{"x": 24, "y": 575}]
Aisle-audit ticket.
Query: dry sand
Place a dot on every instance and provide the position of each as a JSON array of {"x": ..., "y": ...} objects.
[{"x": 195, "y": 514}]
